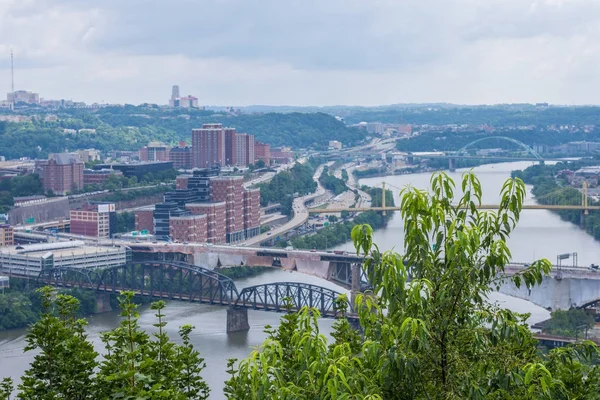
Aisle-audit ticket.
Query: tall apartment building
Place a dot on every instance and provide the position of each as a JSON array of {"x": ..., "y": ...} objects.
[
  {"x": 96, "y": 220},
  {"x": 214, "y": 145},
  {"x": 230, "y": 189},
  {"x": 155, "y": 151},
  {"x": 61, "y": 173},
  {"x": 181, "y": 156},
  {"x": 244, "y": 150},
  {"x": 251, "y": 212},
  {"x": 208, "y": 146},
  {"x": 262, "y": 151}
]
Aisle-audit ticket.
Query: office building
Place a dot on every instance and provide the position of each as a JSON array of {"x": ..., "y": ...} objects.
[
  {"x": 262, "y": 151},
  {"x": 163, "y": 212},
  {"x": 181, "y": 156},
  {"x": 155, "y": 151},
  {"x": 34, "y": 258},
  {"x": 138, "y": 169},
  {"x": 61, "y": 173},
  {"x": 176, "y": 101},
  {"x": 7, "y": 237},
  {"x": 95, "y": 220},
  {"x": 88, "y": 155},
  {"x": 208, "y": 146}
]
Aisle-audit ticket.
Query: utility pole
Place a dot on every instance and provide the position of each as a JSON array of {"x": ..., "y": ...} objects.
[{"x": 12, "y": 80}]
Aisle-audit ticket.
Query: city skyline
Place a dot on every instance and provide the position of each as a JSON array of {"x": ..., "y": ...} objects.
[{"x": 304, "y": 53}]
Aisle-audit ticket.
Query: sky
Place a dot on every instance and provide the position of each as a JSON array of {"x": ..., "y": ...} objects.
[{"x": 304, "y": 52}]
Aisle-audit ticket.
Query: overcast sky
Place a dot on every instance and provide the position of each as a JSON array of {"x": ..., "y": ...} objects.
[{"x": 304, "y": 52}]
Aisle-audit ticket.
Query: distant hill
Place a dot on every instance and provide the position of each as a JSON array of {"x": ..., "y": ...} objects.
[{"x": 131, "y": 127}]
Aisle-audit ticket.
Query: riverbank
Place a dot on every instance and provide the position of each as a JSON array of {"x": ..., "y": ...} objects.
[
  {"x": 339, "y": 233},
  {"x": 551, "y": 186}
]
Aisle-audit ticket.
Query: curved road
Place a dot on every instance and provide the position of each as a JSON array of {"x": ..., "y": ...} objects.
[{"x": 300, "y": 214}]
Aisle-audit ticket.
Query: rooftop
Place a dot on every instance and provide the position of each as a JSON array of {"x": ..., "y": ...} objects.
[{"x": 58, "y": 249}]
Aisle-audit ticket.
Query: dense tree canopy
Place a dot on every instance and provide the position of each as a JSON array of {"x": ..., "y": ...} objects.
[
  {"x": 429, "y": 330},
  {"x": 129, "y": 128}
]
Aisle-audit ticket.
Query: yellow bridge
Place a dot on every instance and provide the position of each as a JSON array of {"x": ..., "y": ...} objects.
[{"x": 566, "y": 198}]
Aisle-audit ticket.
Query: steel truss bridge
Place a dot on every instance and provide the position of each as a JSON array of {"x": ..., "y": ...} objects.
[{"x": 187, "y": 282}]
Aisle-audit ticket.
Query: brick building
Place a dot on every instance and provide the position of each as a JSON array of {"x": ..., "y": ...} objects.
[
  {"x": 230, "y": 189},
  {"x": 7, "y": 237},
  {"x": 188, "y": 228},
  {"x": 98, "y": 177},
  {"x": 251, "y": 212},
  {"x": 144, "y": 219},
  {"x": 61, "y": 173},
  {"x": 96, "y": 220},
  {"x": 244, "y": 150},
  {"x": 208, "y": 146},
  {"x": 262, "y": 151},
  {"x": 181, "y": 156},
  {"x": 282, "y": 155},
  {"x": 216, "y": 214},
  {"x": 231, "y": 144}
]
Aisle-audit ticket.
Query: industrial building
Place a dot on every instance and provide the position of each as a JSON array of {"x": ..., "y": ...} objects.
[
  {"x": 139, "y": 169},
  {"x": 32, "y": 259}
]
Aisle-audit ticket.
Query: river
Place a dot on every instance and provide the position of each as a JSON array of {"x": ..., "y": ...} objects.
[{"x": 539, "y": 234}]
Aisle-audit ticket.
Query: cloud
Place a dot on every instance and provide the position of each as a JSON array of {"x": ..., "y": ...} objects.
[{"x": 304, "y": 51}]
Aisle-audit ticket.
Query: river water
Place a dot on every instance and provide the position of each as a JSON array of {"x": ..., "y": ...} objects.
[{"x": 539, "y": 234}]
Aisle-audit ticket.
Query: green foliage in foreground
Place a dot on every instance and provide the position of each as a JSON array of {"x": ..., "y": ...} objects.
[
  {"x": 136, "y": 364},
  {"x": 434, "y": 336}
]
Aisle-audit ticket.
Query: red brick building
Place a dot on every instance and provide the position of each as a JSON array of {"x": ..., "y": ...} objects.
[
  {"x": 231, "y": 144},
  {"x": 208, "y": 146},
  {"x": 244, "y": 150},
  {"x": 262, "y": 151},
  {"x": 181, "y": 156},
  {"x": 230, "y": 189},
  {"x": 188, "y": 228},
  {"x": 282, "y": 155},
  {"x": 93, "y": 220},
  {"x": 98, "y": 177},
  {"x": 252, "y": 212},
  {"x": 61, "y": 173},
  {"x": 216, "y": 214},
  {"x": 144, "y": 219}
]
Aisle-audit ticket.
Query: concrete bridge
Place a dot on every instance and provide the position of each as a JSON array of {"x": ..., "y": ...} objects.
[
  {"x": 338, "y": 267},
  {"x": 565, "y": 288}
]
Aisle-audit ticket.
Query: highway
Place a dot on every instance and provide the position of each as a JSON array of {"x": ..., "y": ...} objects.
[{"x": 299, "y": 210}]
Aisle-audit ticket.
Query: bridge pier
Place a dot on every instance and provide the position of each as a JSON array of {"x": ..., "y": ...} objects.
[
  {"x": 237, "y": 319},
  {"x": 103, "y": 303},
  {"x": 452, "y": 164},
  {"x": 355, "y": 288}
]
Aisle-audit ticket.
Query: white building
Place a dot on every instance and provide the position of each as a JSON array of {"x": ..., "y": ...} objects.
[{"x": 33, "y": 258}]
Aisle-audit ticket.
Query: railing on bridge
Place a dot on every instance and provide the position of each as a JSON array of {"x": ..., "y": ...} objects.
[
  {"x": 563, "y": 199},
  {"x": 275, "y": 297}
]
